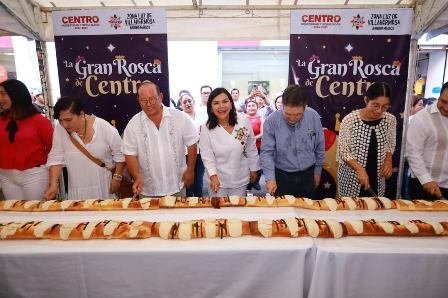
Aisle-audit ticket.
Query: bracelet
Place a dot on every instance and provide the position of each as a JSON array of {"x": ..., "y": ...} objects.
[{"x": 117, "y": 177}]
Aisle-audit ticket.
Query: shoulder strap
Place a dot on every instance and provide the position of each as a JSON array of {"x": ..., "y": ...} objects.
[{"x": 84, "y": 151}]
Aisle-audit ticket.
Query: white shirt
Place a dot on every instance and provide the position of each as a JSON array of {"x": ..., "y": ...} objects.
[
  {"x": 160, "y": 152},
  {"x": 223, "y": 154},
  {"x": 87, "y": 180},
  {"x": 201, "y": 114},
  {"x": 426, "y": 146}
]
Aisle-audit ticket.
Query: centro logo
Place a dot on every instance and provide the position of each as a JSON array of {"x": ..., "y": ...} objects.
[
  {"x": 321, "y": 18},
  {"x": 80, "y": 19}
]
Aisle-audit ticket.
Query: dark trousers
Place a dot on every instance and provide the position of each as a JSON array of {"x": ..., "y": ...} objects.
[
  {"x": 416, "y": 191},
  {"x": 298, "y": 184},
  {"x": 196, "y": 189}
]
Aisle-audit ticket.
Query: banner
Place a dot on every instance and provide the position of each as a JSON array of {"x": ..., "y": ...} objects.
[
  {"x": 336, "y": 54},
  {"x": 103, "y": 54}
]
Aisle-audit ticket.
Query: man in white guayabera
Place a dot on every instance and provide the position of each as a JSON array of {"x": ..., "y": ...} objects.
[
  {"x": 154, "y": 142},
  {"x": 426, "y": 150}
]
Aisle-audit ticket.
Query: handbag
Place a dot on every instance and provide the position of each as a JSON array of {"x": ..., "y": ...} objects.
[{"x": 125, "y": 190}]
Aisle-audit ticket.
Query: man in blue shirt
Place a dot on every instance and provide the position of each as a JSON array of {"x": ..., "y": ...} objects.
[{"x": 293, "y": 147}]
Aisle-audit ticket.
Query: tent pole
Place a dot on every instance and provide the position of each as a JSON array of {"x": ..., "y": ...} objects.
[
  {"x": 42, "y": 60},
  {"x": 407, "y": 109}
]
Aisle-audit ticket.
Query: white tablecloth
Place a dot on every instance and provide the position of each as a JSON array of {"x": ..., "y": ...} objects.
[{"x": 232, "y": 267}]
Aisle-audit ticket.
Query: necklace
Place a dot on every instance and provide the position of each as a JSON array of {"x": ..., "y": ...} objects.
[{"x": 85, "y": 129}]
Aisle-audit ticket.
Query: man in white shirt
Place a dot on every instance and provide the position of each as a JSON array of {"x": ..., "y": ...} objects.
[
  {"x": 426, "y": 150},
  {"x": 153, "y": 144},
  {"x": 201, "y": 111}
]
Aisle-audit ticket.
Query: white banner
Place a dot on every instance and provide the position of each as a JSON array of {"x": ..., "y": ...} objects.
[
  {"x": 352, "y": 21},
  {"x": 109, "y": 21}
]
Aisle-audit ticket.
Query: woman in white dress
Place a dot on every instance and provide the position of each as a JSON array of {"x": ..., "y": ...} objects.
[
  {"x": 227, "y": 147},
  {"x": 86, "y": 179}
]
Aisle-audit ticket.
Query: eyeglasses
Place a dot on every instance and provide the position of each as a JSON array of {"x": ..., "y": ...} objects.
[
  {"x": 205, "y": 93},
  {"x": 376, "y": 106},
  {"x": 150, "y": 100}
]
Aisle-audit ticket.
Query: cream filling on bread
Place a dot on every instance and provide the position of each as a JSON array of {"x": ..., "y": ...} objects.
[
  {"x": 210, "y": 228},
  {"x": 193, "y": 201},
  {"x": 443, "y": 201},
  {"x": 234, "y": 200},
  {"x": 293, "y": 227},
  {"x": 371, "y": 204},
  {"x": 350, "y": 203},
  {"x": 235, "y": 227},
  {"x": 265, "y": 227},
  {"x": 386, "y": 202},
  {"x": 386, "y": 226},
  {"x": 88, "y": 203},
  {"x": 270, "y": 200},
  {"x": 66, "y": 229},
  {"x": 331, "y": 203},
  {"x": 125, "y": 203},
  {"x": 335, "y": 227},
  {"x": 427, "y": 203},
  {"x": 145, "y": 203},
  {"x": 66, "y": 203},
  {"x": 46, "y": 205},
  {"x": 10, "y": 229},
  {"x": 110, "y": 227},
  {"x": 291, "y": 199},
  {"x": 251, "y": 200},
  {"x": 165, "y": 229},
  {"x": 412, "y": 227},
  {"x": 170, "y": 201},
  {"x": 357, "y": 225},
  {"x": 184, "y": 232},
  {"x": 438, "y": 228},
  {"x": 40, "y": 229},
  {"x": 30, "y": 203},
  {"x": 312, "y": 227},
  {"x": 407, "y": 202},
  {"x": 9, "y": 203},
  {"x": 88, "y": 230},
  {"x": 308, "y": 201}
]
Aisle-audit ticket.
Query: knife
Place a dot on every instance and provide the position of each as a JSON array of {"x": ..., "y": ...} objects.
[{"x": 372, "y": 193}]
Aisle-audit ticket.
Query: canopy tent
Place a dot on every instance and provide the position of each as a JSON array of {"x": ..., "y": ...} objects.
[
  {"x": 214, "y": 20},
  {"x": 230, "y": 20}
]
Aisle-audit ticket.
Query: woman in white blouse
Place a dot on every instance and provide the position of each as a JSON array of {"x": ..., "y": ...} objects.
[
  {"x": 86, "y": 179},
  {"x": 227, "y": 147}
]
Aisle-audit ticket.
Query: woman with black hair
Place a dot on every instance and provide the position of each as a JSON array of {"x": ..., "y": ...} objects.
[
  {"x": 366, "y": 145},
  {"x": 227, "y": 147},
  {"x": 77, "y": 133},
  {"x": 25, "y": 141}
]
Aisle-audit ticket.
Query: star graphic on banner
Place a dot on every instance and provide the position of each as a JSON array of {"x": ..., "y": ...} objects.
[
  {"x": 67, "y": 79},
  {"x": 324, "y": 47},
  {"x": 298, "y": 37},
  {"x": 146, "y": 38},
  {"x": 87, "y": 48},
  {"x": 111, "y": 47},
  {"x": 349, "y": 48},
  {"x": 389, "y": 40},
  {"x": 327, "y": 185}
]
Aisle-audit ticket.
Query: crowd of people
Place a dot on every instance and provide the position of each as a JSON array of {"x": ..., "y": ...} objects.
[{"x": 168, "y": 150}]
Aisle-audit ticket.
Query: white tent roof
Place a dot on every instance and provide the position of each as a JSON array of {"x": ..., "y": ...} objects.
[{"x": 210, "y": 19}]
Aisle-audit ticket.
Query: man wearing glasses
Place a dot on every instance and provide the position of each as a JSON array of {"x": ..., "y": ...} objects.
[
  {"x": 153, "y": 144},
  {"x": 202, "y": 109}
]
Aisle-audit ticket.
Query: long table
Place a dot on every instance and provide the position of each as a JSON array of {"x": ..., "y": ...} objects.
[{"x": 232, "y": 267}]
